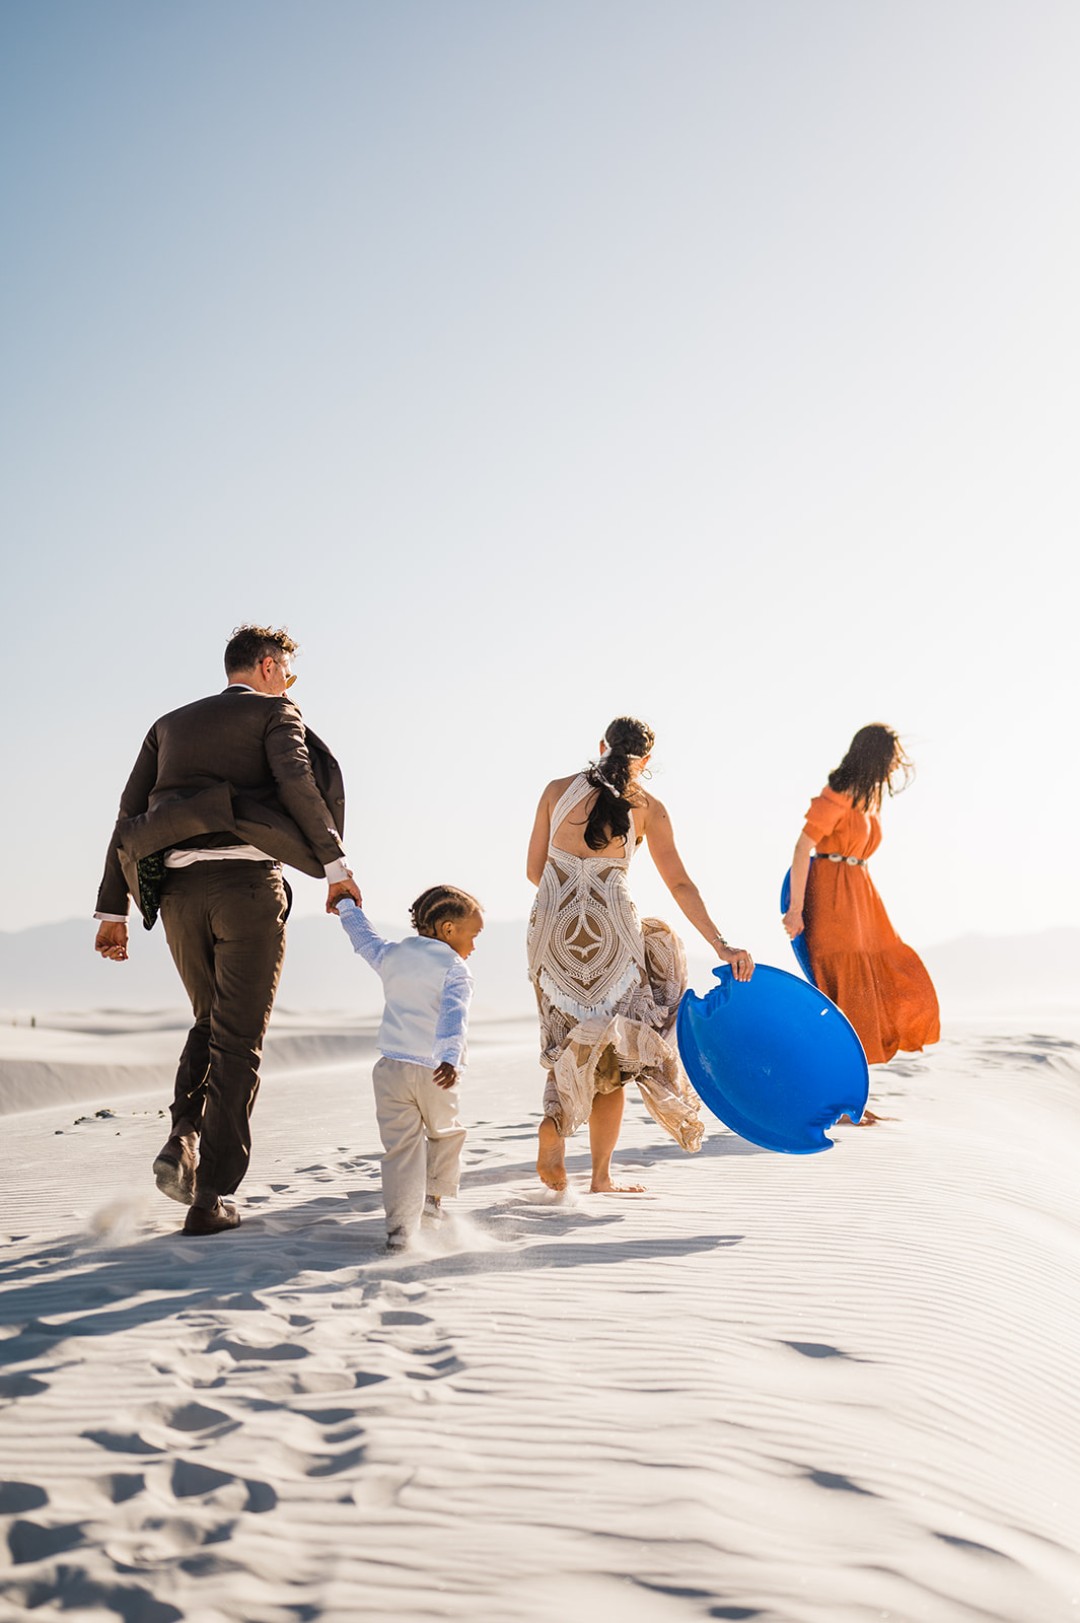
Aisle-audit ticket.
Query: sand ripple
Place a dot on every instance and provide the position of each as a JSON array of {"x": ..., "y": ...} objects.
[{"x": 793, "y": 1390}]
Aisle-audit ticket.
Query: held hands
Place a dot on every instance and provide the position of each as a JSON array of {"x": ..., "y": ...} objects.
[
  {"x": 445, "y": 1075},
  {"x": 793, "y": 922},
  {"x": 340, "y": 888},
  {"x": 111, "y": 941},
  {"x": 740, "y": 960}
]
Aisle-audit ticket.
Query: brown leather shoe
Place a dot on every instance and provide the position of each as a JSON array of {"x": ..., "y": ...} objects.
[
  {"x": 212, "y": 1219},
  {"x": 174, "y": 1167}
]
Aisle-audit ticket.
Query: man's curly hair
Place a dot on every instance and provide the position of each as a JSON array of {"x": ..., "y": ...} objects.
[{"x": 250, "y": 644}]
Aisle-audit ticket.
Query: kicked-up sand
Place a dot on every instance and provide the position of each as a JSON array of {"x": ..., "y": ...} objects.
[{"x": 794, "y": 1390}]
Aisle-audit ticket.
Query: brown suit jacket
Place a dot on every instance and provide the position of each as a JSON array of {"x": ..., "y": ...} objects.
[{"x": 238, "y": 768}]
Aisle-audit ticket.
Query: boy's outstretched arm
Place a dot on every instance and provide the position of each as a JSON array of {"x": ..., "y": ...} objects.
[{"x": 366, "y": 941}]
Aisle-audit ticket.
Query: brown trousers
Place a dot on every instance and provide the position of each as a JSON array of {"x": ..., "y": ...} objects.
[{"x": 225, "y": 925}]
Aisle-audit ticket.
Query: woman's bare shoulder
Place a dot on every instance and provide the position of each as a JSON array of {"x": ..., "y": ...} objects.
[
  {"x": 650, "y": 804},
  {"x": 558, "y": 787}
]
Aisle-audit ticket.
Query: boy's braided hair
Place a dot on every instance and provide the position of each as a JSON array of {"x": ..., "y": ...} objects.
[{"x": 438, "y": 903}]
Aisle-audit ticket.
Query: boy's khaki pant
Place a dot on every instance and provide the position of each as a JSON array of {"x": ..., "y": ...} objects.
[{"x": 422, "y": 1138}]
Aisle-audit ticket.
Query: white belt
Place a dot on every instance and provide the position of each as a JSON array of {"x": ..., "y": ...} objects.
[{"x": 834, "y": 856}]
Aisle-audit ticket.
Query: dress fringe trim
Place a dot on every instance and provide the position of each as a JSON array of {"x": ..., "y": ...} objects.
[
  {"x": 603, "y": 1054},
  {"x": 584, "y": 1011}
]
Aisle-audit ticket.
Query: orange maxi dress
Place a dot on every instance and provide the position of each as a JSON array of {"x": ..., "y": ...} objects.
[{"x": 857, "y": 957}]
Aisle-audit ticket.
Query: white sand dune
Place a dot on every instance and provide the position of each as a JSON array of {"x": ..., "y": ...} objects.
[
  {"x": 789, "y": 1390},
  {"x": 111, "y": 1054}
]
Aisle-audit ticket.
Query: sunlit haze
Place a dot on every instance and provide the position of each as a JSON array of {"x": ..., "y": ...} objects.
[{"x": 715, "y": 363}]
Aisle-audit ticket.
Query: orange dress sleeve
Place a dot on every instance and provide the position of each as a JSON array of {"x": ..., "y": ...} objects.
[{"x": 822, "y": 817}]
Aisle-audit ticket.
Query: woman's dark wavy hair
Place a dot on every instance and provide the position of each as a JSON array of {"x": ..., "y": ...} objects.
[
  {"x": 441, "y": 902},
  {"x": 875, "y": 756},
  {"x": 626, "y": 739}
]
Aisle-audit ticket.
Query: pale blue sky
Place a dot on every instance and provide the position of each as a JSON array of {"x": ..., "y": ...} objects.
[{"x": 539, "y": 362}]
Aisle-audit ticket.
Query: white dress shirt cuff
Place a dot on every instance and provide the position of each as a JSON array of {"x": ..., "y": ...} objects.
[
  {"x": 337, "y": 871},
  {"x": 112, "y": 918}
]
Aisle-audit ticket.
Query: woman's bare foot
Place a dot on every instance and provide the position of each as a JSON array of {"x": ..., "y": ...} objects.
[
  {"x": 604, "y": 1123},
  {"x": 550, "y": 1160}
]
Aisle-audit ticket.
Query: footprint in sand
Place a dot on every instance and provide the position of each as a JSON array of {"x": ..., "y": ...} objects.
[
  {"x": 20, "y": 1386},
  {"x": 333, "y": 1464},
  {"x": 400, "y": 1290},
  {"x": 198, "y": 1417},
  {"x": 441, "y": 1362},
  {"x": 29, "y": 1541},
  {"x": 436, "y": 1360},
  {"x": 343, "y": 1432},
  {"x": 17, "y": 1497},
  {"x": 162, "y": 1541},
  {"x": 191, "y": 1480},
  {"x": 122, "y": 1442},
  {"x": 245, "y": 1352},
  {"x": 117, "y": 1487},
  {"x": 81, "y": 1596}
]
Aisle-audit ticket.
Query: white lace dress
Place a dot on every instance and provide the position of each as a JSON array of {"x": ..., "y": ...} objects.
[{"x": 608, "y": 985}]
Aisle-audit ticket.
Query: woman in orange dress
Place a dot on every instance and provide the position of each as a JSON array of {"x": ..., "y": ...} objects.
[{"x": 857, "y": 957}]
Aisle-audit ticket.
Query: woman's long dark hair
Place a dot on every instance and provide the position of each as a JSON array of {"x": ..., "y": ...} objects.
[
  {"x": 875, "y": 755},
  {"x": 627, "y": 740}
]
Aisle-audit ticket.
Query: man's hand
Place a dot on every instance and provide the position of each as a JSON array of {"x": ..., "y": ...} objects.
[
  {"x": 340, "y": 888},
  {"x": 445, "y": 1076},
  {"x": 111, "y": 941}
]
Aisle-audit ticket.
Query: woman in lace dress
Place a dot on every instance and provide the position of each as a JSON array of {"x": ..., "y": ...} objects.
[{"x": 608, "y": 983}]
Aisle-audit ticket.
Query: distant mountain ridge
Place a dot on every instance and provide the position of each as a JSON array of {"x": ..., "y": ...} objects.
[
  {"x": 52, "y": 966},
  {"x": 979, "y": 973}
]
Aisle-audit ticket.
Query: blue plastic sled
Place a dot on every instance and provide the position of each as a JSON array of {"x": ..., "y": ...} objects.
[
  {"x": 798, "y": 943},
  {"x": 773, "y": 1058}
]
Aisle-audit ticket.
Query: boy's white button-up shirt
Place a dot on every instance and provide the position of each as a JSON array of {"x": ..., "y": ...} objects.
[{"x": 427, "y": 987}]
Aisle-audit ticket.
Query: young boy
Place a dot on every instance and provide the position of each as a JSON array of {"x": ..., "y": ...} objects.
[{"x": 421, "y": 1042}]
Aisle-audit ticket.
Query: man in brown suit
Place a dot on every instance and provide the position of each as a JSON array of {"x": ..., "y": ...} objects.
[{"x": 224, "y": 791}]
